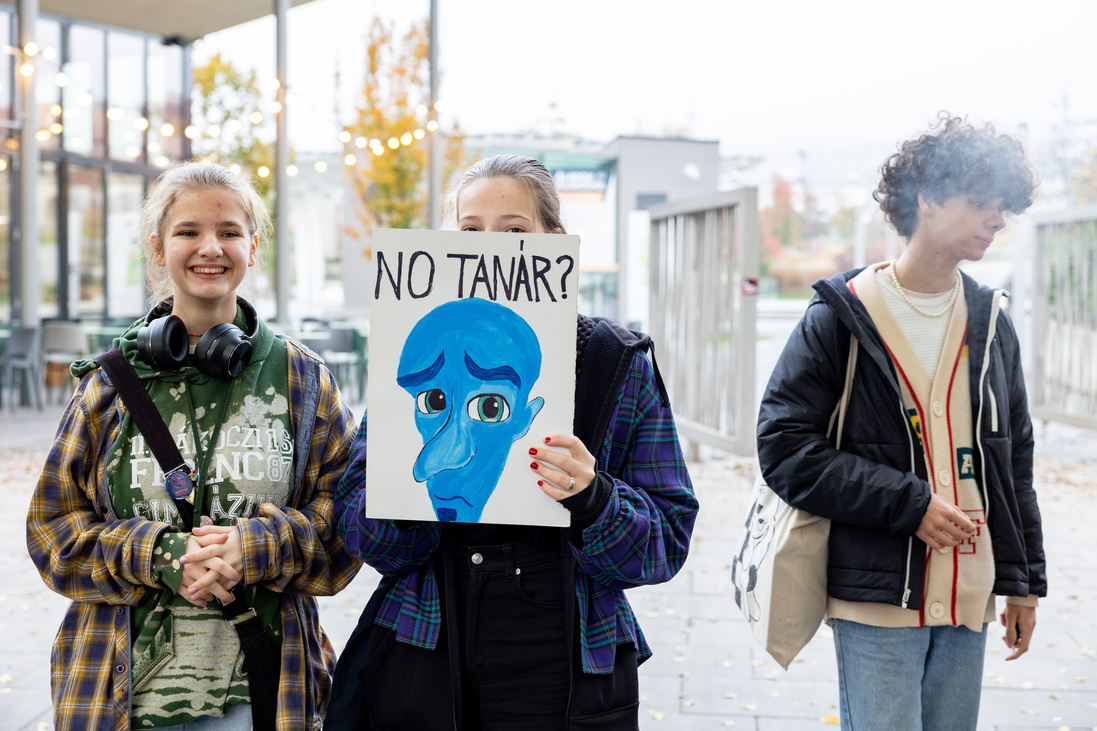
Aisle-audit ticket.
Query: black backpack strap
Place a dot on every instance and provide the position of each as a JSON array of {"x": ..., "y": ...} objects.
[
  {"x": 604, "y": 352},
  {"x": 148, "y": 419},
  {"x": 261, "y": 656}
]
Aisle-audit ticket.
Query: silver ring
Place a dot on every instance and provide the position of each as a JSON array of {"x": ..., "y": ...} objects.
[{"x": 571, "y": 485}]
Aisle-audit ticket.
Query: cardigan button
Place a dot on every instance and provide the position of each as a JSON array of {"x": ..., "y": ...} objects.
[
  {"x": 937, "y": 610},
  {"x": 944, "y": 477},
  {"x": 476, "y": 558},
  {"x": 938, "y": 408}
]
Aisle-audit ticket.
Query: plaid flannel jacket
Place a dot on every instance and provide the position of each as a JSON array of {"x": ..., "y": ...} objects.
[
  {"x": 641, "y": 537},
  {"x": 104, "y": 565}
]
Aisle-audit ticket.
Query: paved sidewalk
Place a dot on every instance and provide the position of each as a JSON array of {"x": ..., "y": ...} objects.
[{"x": 707, "y": 673}]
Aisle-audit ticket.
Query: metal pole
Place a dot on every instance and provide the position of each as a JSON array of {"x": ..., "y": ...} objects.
[
  {"x": 281, "y": 178},
  {"x": 25, "y": 306},
  {"x": 434, "y": 198}
]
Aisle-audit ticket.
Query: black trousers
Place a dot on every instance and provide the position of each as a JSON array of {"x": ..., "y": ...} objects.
[{"x": 514, "y": 669}]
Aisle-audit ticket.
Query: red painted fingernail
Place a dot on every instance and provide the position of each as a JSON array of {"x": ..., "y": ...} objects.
[
  {"x": 532, "y": 451},
  {"x": 540, "y": 483},
  {"x": 533, "y": 465},
  {"x": 546, "y": 440}
]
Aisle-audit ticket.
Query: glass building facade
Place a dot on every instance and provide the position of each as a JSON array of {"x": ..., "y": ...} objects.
[{"x": 112, "y": 107}]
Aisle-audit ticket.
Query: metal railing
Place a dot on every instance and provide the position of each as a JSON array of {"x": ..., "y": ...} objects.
[
  {"x": 703, "y": 285},
  {"x": 1063, "y": 333}
]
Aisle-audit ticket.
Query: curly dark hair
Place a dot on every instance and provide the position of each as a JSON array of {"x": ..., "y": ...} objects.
[{"x": 954, "y": 158}]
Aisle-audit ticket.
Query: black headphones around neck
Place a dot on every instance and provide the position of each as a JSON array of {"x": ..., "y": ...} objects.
[{"x": 224, "y": 351}]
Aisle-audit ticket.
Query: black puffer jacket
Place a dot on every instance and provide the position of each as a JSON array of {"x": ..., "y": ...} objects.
[{"x": 875, "y": 490}]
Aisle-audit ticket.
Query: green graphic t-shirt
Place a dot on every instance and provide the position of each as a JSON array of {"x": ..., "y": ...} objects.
[{"x": 236, "y": 436}]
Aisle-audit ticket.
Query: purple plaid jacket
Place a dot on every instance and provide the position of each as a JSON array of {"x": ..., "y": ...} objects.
[{"x": 640, "y": 537}]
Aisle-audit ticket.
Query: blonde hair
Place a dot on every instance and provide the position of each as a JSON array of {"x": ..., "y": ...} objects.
[
  {"x": 190, "y": 176},
  {"x": 531, "y": 172}
]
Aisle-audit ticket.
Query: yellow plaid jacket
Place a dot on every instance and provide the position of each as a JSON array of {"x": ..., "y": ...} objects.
[{"x": 104, "y": 565}]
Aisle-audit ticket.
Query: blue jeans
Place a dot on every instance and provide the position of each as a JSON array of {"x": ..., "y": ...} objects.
[
  {"x": 238, "y": 718},
  {"x": 908, "y": 678}
]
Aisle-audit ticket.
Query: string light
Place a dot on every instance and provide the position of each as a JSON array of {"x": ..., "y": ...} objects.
[
  {"x": 263, "y": 171},
  {"x": 141, "y": 123},
  {"x": 345, "y": 136},
  {"x": 291, "y": 170},
  {"x": 62, "y": 79},
  {"x": 167, "y": 130}
]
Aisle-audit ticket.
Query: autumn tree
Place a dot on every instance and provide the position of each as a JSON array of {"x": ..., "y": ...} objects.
[
  {"x": 781, "y": 221},
  {"x": 780, "y": 224},
  {"x": 229, "y": 104},
  {"x": 388, "y": 137},
  {"x": 1084, "y": 183}
]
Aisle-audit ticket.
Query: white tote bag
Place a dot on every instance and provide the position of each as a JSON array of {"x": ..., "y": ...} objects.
[{"x": 780, "y": 572}]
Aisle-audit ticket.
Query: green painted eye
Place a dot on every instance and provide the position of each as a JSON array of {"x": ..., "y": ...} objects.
[
  {"x": 431, "y": 402},
  {"x": 489, "y": 407}
]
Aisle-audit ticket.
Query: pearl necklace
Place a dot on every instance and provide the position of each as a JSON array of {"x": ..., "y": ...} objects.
[{"x": 916, "y": 308}]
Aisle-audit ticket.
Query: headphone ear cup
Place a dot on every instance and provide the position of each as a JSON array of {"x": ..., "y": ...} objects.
[
  {"x": 223, "y": 352},
  {"x": 162, "y": 343}
]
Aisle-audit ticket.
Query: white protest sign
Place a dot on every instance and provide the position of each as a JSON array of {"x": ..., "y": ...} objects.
[{"x": 472, "y": 362}]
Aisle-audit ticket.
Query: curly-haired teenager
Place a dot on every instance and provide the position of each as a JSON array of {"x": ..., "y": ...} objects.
[{"x": 931, "y": 501}]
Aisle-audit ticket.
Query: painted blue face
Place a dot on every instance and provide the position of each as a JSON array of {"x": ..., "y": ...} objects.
[{"x": 470, "y": 365}]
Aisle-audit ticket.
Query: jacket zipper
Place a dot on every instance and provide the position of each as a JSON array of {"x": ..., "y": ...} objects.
[
  {"x": 910, "y": 540},
  {"x": 993, "y": 409}
]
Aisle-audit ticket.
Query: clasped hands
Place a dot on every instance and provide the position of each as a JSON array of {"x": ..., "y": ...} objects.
[{"x": 212, "y": 565}]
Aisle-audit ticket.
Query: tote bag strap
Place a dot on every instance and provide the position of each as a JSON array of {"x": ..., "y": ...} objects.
[{"x": 843, "y": 402}]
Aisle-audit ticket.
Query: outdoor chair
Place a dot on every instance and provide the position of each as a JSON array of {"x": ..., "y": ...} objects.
[
  {"x": 22, "y": 357},
  {"x": 62, "y": 343},
  {"x": 339, "y": 354}
]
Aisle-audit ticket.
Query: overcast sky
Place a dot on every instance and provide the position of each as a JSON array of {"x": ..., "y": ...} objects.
[{"x": 841, "y": 81}]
